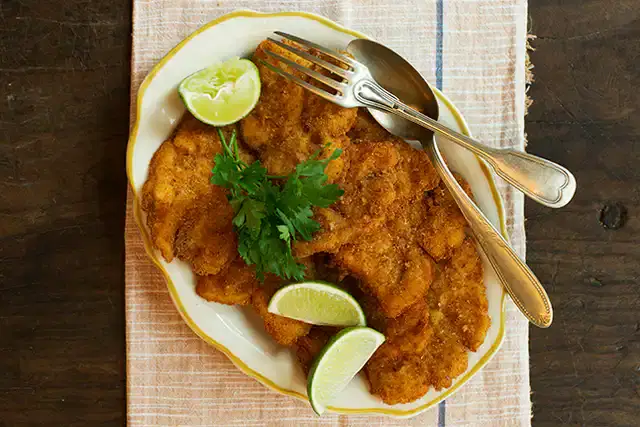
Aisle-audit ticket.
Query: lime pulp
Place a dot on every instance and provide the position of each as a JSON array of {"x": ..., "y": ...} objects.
[{"x": 318, "y": 303}]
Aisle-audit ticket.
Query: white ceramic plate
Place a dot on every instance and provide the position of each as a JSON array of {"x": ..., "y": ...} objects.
[{"x": 236, "y": 331}]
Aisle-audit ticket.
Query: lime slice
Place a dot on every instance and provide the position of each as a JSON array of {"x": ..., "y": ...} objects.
[
  {"x": 340, "y": 360},
  {"x": 318, "y": 303},
  {"x": 223, "y": 93}
]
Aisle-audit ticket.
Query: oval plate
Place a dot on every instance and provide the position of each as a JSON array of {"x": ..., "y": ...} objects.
[{"x": 236, "y": 331}]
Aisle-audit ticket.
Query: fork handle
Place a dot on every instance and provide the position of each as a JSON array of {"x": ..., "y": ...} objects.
[{"x": 542, "y": 180}]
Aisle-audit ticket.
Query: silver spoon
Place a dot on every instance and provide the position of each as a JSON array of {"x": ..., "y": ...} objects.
[{"x": 397, "y": 76}]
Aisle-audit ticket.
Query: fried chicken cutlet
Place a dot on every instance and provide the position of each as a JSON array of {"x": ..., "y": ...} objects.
[
  {"x": 415, "y": 357},
  {"x": 191, "y": 219},
  {"x": 459, "y": 295},
  {"x": 395, "y": 271},
  {"x": 384, "y": 179},
  {"x": 289, "y": 124},
  {"x": 178, "y": 182},
  {"x": 444, "y": 227},
  {"x": 283, "y": 330},
  {"x": 387, "y": 239},
  {"x": 427, "y": 345},
  {"x": 233, "y": 285}
]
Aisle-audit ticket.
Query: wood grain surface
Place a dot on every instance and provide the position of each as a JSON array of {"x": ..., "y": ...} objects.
[
  {"x": 64, "y": 117},
  {"x": 64, "y": 97},
  {"x": 585, "y": 369}
]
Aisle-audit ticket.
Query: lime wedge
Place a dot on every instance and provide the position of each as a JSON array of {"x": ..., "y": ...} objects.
[
  {"x": 223, "y": 93},
  {"x": 318, "y": 303},
  {"x": 340, "y": 360}
]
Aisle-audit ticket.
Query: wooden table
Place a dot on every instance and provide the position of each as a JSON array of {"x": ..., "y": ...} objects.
[
  {"x": 585, "y": 370},
  {"x": 63, "y": 131}
]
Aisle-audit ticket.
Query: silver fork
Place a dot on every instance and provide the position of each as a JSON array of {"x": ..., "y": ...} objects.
[{"x": 542, "y": 180}]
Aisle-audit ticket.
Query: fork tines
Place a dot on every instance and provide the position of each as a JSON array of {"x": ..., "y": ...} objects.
[
  {"x": 306, "y": 51},
  {"x": 344, "y": 59}
]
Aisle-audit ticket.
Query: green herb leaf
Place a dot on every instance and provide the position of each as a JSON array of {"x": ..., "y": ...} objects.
[{"x": 270, "y": 214}]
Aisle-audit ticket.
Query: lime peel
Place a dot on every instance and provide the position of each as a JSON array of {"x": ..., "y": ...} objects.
[
  {"x": 318, "y": 303},
  {"x": 340, "y": 360}
]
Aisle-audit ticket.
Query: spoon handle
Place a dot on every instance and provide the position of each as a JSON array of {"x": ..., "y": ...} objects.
[
  {"x": 519, "y": 281},
  {"x": 542, "y": 180}
]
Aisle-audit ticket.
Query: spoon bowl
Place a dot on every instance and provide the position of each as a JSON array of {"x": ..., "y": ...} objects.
[{"x": 399, "y": 77}]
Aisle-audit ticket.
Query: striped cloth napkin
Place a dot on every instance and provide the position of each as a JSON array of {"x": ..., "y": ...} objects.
[{"x": 474, "y": 50}]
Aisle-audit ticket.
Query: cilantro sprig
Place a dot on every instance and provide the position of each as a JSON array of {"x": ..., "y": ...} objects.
[{"x": 272, "y": 212}]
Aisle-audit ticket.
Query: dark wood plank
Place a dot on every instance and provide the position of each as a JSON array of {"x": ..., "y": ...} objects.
[
  {"x": 585, "y": 370},
  {"x": 64, "y": 96}
]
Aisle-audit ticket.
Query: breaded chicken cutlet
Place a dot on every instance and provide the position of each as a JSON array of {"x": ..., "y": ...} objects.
[
  {"x": 427, "y": 346},
  {"x": 178, "y": 184},
  {"x": 190, "y": 218},
  {"x": 395, "y": 239},
  {"x": 289, "y": 124},
  {"x": 384, "y": 179}
]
